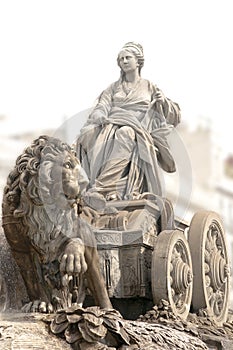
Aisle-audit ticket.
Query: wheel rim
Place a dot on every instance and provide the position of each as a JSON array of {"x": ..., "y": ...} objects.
[
  {"x": 211, "y": 267},
  {"x": 172, "y": 258}
]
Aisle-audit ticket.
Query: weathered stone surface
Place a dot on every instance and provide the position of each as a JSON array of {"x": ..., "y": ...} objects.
[{"x": 27, "y": 332}]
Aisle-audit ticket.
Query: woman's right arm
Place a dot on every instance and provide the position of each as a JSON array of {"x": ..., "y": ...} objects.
[{"x": 101, "y": 111}]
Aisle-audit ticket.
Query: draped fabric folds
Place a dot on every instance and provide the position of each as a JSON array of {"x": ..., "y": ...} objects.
[{"x": 124, "y": 142}]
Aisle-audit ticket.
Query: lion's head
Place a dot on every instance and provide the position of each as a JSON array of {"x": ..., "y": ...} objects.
[{"x": 42, "y": 188}]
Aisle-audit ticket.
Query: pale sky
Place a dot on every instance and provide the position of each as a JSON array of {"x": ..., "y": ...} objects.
[{"x": 57, "y": 56}]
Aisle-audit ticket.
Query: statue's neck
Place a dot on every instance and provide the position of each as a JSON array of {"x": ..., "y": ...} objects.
[{"x": 132, "y": 77}]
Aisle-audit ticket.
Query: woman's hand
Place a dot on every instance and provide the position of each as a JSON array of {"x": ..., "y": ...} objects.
[
  {"x": 159, "y": 96},
  {"x": 98, "y": 117},
  {"x": 100, "y": 120}
]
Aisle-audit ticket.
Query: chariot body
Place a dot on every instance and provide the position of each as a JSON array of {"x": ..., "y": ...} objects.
[{"x": 187, "y": 265}]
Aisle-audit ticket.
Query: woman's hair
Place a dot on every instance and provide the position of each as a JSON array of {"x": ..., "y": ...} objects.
[{"x": 137, "y": 50}]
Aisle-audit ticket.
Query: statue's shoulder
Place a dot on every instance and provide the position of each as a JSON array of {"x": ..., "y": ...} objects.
[
  {"x": 111, "y": 88},
  {"x": 151, "y": 85}
]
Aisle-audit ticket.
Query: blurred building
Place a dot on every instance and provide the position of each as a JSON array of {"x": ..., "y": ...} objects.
[{"x": 199, "y": 160}]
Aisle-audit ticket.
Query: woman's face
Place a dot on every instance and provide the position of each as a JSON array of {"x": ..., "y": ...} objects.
[{"x": 127, "y": 61}]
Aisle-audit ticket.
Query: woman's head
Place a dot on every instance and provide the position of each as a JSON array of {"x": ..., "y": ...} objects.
[{"x": 135, "y": 49}]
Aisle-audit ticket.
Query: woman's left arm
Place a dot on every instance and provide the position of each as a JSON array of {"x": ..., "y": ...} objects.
[{"x": 169, "y": 109}]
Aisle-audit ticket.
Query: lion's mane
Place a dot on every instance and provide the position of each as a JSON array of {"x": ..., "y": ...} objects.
[{"x": 36, "y": 197}]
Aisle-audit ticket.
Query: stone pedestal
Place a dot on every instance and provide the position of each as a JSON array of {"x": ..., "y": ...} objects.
[{"x": 126, "y": 246}]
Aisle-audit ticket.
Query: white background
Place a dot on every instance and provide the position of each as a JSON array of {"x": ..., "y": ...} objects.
[{"x": 57, "y": 56}]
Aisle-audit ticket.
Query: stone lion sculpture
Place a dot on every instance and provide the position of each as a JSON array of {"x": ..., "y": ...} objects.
[{"x": 54, "y": 248}]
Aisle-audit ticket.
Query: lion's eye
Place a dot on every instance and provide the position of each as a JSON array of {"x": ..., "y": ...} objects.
[{"x": 68, "y": 165}]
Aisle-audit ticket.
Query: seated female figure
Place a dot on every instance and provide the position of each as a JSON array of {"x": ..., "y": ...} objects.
[{"x": 124, "y": 141}]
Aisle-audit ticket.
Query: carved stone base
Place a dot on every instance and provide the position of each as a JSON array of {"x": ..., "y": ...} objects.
[
  {"x": 127, "y": 270},
  {"x": 125, "y": 246}
]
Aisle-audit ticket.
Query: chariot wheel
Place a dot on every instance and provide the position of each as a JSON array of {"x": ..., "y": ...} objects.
[
  {"x": 211, "y": 270},
  {"x": 171, "y": 270}
]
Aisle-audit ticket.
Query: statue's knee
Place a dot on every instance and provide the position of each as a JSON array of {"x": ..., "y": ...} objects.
[{"x": 126, "y": 132}]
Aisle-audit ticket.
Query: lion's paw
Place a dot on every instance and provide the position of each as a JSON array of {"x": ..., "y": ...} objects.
[{"x": 38, "y": 306}]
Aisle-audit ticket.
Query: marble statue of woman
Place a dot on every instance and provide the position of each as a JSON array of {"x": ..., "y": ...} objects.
[{"x": 124, "y": 141}]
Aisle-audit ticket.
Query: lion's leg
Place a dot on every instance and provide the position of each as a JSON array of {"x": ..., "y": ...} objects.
[{"x": 95, "y": 279}]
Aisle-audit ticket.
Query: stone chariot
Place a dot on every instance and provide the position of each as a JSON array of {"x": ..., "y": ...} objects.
[{"x": 188, "y": 265}]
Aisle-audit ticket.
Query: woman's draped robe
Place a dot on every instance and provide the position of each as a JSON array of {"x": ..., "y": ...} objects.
[{"x": 125, "y": 138}]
